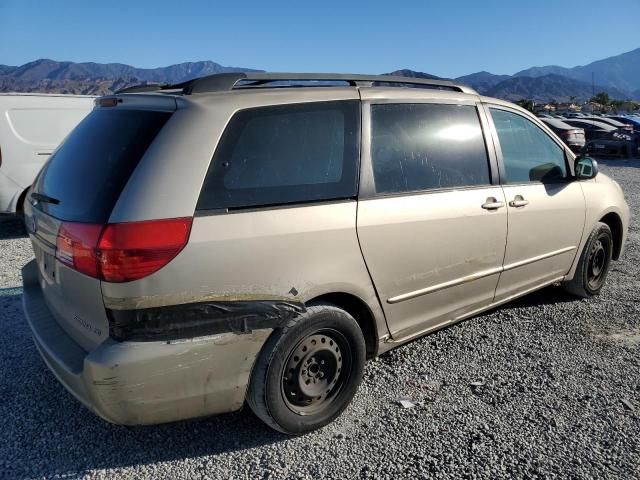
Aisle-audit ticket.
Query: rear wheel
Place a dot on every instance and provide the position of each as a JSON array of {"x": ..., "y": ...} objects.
[
  {"x": 308, "y": 371},
  {"x": 594, "y": 263}
]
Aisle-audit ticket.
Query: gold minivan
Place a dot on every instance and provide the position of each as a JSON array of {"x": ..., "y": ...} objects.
[{"x": 255, "y": 237}]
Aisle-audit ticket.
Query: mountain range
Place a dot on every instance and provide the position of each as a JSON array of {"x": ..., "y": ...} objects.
[
  {"x": 618, "y": 75},
  {"x": 98, "y": 78}
]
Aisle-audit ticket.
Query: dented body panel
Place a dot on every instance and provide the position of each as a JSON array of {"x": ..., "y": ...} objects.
[
  {"x": 136, "y": 383},
  {"x": 200, "y": 319}
]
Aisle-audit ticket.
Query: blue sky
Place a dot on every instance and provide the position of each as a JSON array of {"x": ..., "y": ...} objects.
[{"x": 449, "y": 38}]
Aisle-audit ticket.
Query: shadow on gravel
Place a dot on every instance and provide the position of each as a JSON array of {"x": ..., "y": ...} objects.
[
  {"x": 546, "y": 296},
  {"x": 11, "y": 227}
]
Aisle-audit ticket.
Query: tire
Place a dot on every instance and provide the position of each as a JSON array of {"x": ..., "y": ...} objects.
[
  {"x": 308, "y": 371},
  {"x": 594, "y": 263},
  {"x": 20, "y": 206}
]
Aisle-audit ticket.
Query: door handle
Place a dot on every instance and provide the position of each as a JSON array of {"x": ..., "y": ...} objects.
[
  {"x": 518, "y": 201},
  {"x": 492, "y": 204}
]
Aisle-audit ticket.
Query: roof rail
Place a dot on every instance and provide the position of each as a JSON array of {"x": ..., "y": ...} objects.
[
  {"x": 222, "y": 82},
  {"x": 143, "y": 87}
]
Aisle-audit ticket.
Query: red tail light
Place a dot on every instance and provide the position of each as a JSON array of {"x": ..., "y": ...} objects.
[
  {"x": 129, "y": 251},
  {"x": 122, "y": 252},
  {"x": 76, "y": 247}
]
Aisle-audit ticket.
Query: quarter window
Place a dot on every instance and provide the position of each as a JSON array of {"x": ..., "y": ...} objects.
[
  {"x": 418, "y": 147},
  {"x": 528, "y": 154},
  {"x": 285, "y": 154}
]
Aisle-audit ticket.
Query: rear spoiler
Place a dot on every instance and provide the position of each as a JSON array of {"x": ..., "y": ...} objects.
[{"x": 138, "y": 102}]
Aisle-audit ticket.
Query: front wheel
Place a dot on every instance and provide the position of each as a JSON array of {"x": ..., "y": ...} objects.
[
  {"x": 308, "y": 372},
  {"x": 594, "y": 263}
]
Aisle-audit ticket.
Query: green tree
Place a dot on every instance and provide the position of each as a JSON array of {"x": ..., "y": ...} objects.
[
  {"x": 631, "y": 106},
  {"x": 617, "y": 105},
  {"x": 625, "y": 105},
  {"x": 601, "y": 98},
  {"x": 527, "y": 104}
]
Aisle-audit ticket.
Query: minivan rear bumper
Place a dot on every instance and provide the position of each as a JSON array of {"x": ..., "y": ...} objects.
[{"x": 136, "y": 383}]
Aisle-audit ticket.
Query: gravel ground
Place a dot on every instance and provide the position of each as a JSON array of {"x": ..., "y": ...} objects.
[{"x": 545, "y": 386}]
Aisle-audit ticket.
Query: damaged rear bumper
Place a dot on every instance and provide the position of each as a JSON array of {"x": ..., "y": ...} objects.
[{"x": 135, "y": 383}]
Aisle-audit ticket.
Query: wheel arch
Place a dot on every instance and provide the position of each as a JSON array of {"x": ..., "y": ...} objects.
[
  {"x": 360, "y": 311},
  {"x": 613, "y": 220},
  {"x": 19, "y": 207}
]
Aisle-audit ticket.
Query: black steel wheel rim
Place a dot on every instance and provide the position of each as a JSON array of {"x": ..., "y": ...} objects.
[
  {"x": 598, "y": 262},
  {"x": 316, "y": 371}
]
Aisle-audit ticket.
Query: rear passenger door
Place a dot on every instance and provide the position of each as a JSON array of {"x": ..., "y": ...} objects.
[
  {"x": 546, "y": 207},
  {"x": 432, "y": 220}
]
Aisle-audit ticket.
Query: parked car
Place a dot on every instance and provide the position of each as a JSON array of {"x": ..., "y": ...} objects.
[
  {"x": 573, "y": 137},
  {"x": 617, "y": 148},
  {"x": 593, "y": 129},
  {"x": 224, "y": 241},
  {"x": 605, "y": 139},
  {"x": 31, "y": 127},
  {"x": 614, "y": 123},
  {"x": 634, "y": 122}
]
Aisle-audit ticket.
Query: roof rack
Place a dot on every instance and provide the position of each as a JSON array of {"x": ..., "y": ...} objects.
[
  {"x": 144, "y": 87},
  {"x": 222, "y": 82}
]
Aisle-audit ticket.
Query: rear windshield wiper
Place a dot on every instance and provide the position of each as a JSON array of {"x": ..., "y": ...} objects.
[{"x": 41, "y": 197}]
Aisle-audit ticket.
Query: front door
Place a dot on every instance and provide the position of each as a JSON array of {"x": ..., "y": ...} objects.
[
  {"x": 546, "y": 207},
  {"x": 431, "y": 222}
]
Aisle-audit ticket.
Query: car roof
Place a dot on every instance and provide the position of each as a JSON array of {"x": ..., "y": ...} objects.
[
  {"x": 226, "y": 82},
  {"x": 611, "y": 121},
  {"x": 557, "y": 123},
  {"x": 629, "y": 118},
  {"x": 262, "y": 89},
  {"x": 251, "y": 85},
  {"x": 600, "y": 125}
]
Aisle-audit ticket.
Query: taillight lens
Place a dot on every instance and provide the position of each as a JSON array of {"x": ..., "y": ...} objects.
[
  {"x": 76, "y": 247},
  {"x": 122, "y": 252},
  {"x": 130, "y": 251}
]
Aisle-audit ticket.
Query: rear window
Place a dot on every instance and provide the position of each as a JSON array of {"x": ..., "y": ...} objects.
[
  {"x": 88, "y": 172},
  {"x": 285, "y": 154}
]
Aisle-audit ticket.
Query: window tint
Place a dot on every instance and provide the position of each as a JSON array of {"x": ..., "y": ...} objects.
[
  {"x": 529, "y": 154},
  {"x": 90, "y": 169},
  {"x": 424, "y": 146},
  {"x": 285, "y": 154}
]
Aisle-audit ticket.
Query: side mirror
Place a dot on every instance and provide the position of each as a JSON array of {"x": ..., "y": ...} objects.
[{"x": 586, "y": 168}]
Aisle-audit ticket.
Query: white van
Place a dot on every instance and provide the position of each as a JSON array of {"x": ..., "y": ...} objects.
[{"x": 32, "y": 125}]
